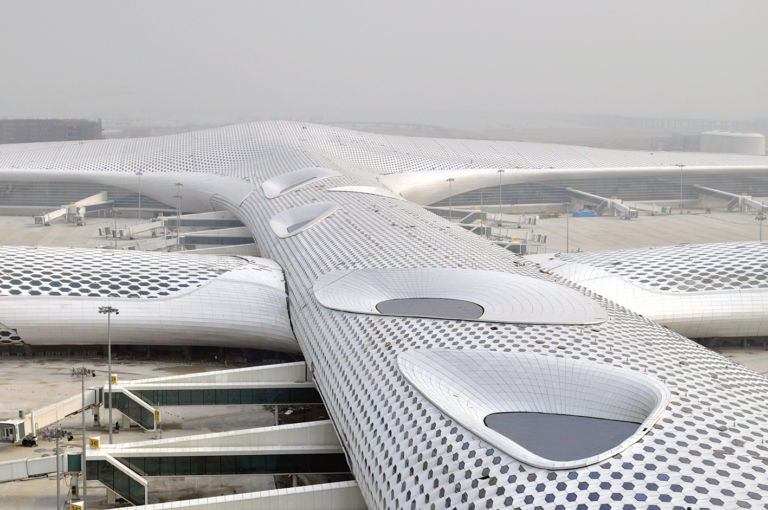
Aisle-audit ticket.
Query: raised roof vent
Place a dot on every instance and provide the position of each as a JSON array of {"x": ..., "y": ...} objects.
[
  {"x": 290, "y": 181},
  {"x": 462, "y": 294},
  {"x": 292, "y": 221},
  {"x": 545, "y": 411}
]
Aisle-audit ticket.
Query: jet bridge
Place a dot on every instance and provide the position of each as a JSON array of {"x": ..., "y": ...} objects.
[
  {"x": 208, "y": 220},
  {"x": 603, "y": 203},
  {"x": 75, "y": 211},
  {"x": 303, "y": 448},
  {"x": 338, "y": 495},
  {"x": 140, "y": 400},
  {"x": 14, "y": 430},
  {"x": 735, "y": 201},
  {"x": 281, "y": 384}
]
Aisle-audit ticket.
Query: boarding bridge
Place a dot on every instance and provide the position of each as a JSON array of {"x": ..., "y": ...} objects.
[
  {"x": 139, "y": 400},
  {"x": 338, "y": 496},
  {"x": 225, "y": 236},
  {"x": 612, "y": 204},
  {"x": 460, "y": 214},
  {"x": 304, "y": 448},
  {"x": 14, "y": 430},
  {"x": 280, "y": 384},
  {"x": 75, "y": 211},
  {"x": 735, "y": 201},
  {"x": 23, "y": 469},
  {"x": 209, "y": 220}
]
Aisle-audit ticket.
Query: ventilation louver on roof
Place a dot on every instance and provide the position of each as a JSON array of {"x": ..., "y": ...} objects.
[
  {"x": 545, "y": 411},
  {"x": 290, "y": 181},
  {"x": 462, "y": 294},
  {"x": 293, "y": 221}
]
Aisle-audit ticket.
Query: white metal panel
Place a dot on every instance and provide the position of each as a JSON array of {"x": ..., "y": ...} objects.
[{"x": 504, "y": 297}]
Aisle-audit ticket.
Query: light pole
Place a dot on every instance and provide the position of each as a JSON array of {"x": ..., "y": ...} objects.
[
  {"x": 82, "y": 460},
  {"x": 178, "y": 215},
  {"x": 681, "y": 188},
  {"x": 109, "y": 310},
  {"x": 138, "y": 174},
  {"x": 450, "y": 198},
  {"x": 760, "y": 218},
  {"x": 501, "y": 171},
  {"x": 567, "y": 229},
  {"x": 58, "y": 467},
  {"x": 114, "y": 225}
]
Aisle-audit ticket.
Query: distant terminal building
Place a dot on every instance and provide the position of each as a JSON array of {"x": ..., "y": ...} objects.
[
  {"x": 48, "y": 130},
  {"x": 734, "y": 142}
]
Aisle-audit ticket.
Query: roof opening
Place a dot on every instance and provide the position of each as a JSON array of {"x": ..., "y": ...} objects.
[
  {"x": 546, "y": 411},
  {"x": 433, "y": 308},
  {"x": 561, "y": 437},
  {"x": 290, "y": 181}
]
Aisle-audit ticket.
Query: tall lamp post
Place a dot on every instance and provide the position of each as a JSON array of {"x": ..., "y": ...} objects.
[
  {"x": 450, "y": 198},
  {"x": 178, "y": 197},
  {"x": 760, "y": 218},
  {"x": 567, "y": 228},
  {"x": 109, "y": 310},
  {"x": 58, "y": 434},
  {"x": 138, "y": 175},
  {"x": 681, "y": 187},
  {"x": 500, "y": 171},
  {"x": 82, "y": 459}
]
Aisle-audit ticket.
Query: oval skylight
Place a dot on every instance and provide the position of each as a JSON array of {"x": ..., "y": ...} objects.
[
  {"x": 290, "y": 181},
  {"x": 545, "y": 411},
  {"x": 462, "y": 294},
  {"x": 438, "y": 308},
  {"x": 293, "y": 221}
]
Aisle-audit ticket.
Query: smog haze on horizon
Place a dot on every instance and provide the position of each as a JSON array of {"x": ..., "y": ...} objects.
[{"x": 218, "y": 62}]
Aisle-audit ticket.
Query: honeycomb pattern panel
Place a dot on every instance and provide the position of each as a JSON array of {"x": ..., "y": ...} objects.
[
  {"x": 97, "y": 273},
  {"x": 9, "y": 336},
  {"x": 686, "y": 268},
  {"x": 254, "y": 149}
]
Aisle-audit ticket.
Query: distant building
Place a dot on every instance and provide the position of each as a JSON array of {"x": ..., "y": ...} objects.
[
  {"x": 48, "y": 130},
  {"x": 729, "y": 141}
]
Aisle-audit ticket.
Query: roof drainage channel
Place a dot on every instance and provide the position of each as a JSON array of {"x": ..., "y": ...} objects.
[
  {"x": 298, "y": 219},
  {"x": 461, "y": 294},
  {"x": 291, "y": 181}
]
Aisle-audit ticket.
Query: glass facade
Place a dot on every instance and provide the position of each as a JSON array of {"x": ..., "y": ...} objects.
[
  {"x": 264, "y": 396},
  {"x": 238, "y": 464},
  {"x": 116, "y": 480}
]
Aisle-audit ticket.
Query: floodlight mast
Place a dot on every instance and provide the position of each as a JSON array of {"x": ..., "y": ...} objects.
[
  {"x": 178, "y": 197},
  {"x": 500, "y": 171},
  {"x": 109, "y": 310},
  {"x": 138, "y": 175},
  {"x": 82, "y": 459}
]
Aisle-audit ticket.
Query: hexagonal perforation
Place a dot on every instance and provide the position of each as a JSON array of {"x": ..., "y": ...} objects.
[{"x": 89, "y": 273}]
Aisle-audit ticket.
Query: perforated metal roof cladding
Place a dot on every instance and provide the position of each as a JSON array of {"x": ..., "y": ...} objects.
[
  {"x": 686, "y": 268},
  {"x": 73, "y": 272},
  {"x": 707, "y": 451},
  {"x": 241, "y": 148}
]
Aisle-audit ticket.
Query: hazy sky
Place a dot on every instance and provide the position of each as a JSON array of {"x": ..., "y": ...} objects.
[{"x": 225, "y": 60}]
